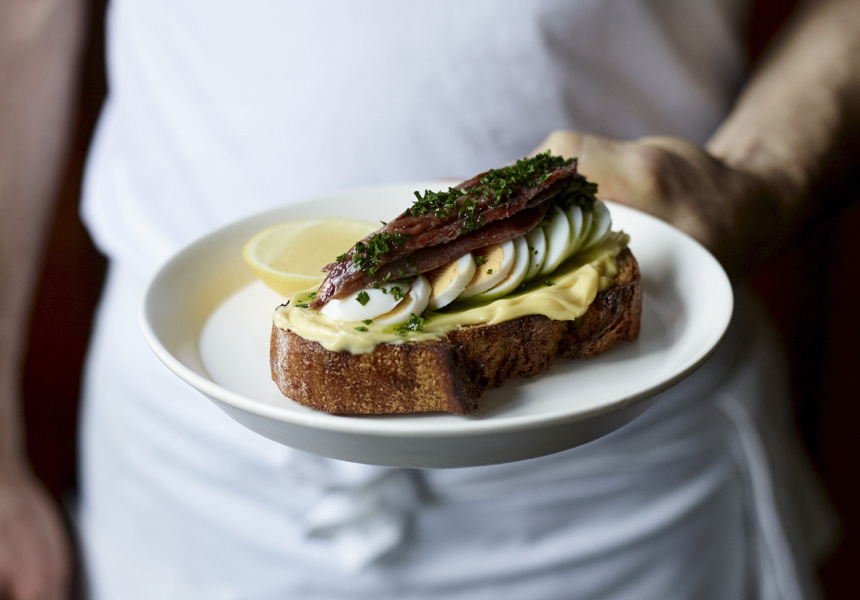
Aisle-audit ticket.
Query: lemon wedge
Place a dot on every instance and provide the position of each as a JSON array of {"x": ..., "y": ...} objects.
[{"x": 289, "y": 257}]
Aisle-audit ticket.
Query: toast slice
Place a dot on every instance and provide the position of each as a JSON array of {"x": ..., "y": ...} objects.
[{"x": 451, "y": 373}]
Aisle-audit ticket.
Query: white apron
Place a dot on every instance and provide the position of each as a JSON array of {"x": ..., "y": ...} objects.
[{"x": 219, "y": 109}]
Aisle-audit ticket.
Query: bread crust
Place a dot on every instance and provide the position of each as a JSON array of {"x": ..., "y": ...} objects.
[{"x": 451, "y": 373}]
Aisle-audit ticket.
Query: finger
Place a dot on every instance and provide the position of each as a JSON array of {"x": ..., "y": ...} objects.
[
  {"x": 610, "y": 164},
  {"x": 57, "y": 554},
  {"x": 623, "y": 171},
  {"x": 35, "y": 554},
  {"x": 37, "y": 573},
  {"x": 561, "y": 143}
]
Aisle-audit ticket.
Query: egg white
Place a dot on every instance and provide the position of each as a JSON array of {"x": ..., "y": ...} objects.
[
  {"x": 601, "y": 223},
  {"x": 448, "y": 281},
  {"x": 536, "y": 240},
  {"x": 557, "y": 232},
  {"x": 483, "y": 280},
  {"x": 415, "y": 301},
  {"x": 516, "y": 275},
  {"x": 379, "y": 301},
  {"x": 575, "y": 218}
]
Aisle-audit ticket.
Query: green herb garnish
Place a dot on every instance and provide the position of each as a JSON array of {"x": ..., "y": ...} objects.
[
  {"x": 496, "y": 187},
  {"x": 439, "y": 204},
  {"x": 415, "y": 323},
  {"x": 363, "y": 298},
  {"x": 500, "y": 184},
  {"x": 578, "y": 191},
  {"x": 397, "y": 293},
  {"x": 368, "y": 254},
  {"x": 479, "y": 260},
  {"x": 362, "y": 329}
]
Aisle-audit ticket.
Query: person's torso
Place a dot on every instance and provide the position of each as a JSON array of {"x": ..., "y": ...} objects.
[{"x": 220, "y": 109}]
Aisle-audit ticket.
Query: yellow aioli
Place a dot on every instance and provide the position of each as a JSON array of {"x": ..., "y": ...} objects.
[{"x": 574, "y": 285}]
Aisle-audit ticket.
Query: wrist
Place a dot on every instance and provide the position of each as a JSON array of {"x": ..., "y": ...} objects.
[
  {"x": 780, "y": 180},
  {"x": 14, "y": 466},
  {"x": 11, "y": 425}
]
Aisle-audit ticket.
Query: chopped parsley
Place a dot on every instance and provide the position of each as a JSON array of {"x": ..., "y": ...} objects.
[
  {"x": 495, "y": 187},
  {"x": 361, "y": 328},
  {"x": 489, "y": 271},
  {"x": 500, "y": 184},
  {"x": 439, "y": 204},
  {"x": 479, "y": 260},
  {"x": 467, "y": 212},
  {"x": 415, "y": 323},
  {"x": 578, "y": 191},
  {"x": 368, "y": 254},
  {"x": 367, "y": 321},
  {"x": 397, "y": 293},
  {"x": 363, "y": 298}
]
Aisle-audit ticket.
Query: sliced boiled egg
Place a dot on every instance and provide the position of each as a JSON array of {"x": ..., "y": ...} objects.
[
  {"x": 516, "y": 275},
  {"x": 557, "y": 232},
  {"x": 536, "y": 241},
  {"x": 575, "y": 218},
  {"x": 601, "y": 223},
  {"x": 448, "y": 281},
  {"x": 366, "y": 304},
  {"x": 587, "y": 219},
  {"x": 415, "y": 301},
  {"x": 493, "y": 265}
]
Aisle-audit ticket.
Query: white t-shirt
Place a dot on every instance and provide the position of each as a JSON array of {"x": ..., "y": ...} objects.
[{"x": 220, "y": 109}]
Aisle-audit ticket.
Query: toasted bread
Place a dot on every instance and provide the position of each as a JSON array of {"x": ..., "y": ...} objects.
[{"x": 451, "y": 373}]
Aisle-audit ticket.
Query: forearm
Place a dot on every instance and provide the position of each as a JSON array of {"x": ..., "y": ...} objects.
[
  {"x": 799, "y": 116},
  {"x": 40, "y": 49}
]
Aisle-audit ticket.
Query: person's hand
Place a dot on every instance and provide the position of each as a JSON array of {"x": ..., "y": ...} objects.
[
  {"x": 35, "y": 554},
  {"x": 731, "y": 212}
]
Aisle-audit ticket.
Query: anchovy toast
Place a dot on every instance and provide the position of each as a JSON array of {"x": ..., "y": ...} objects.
[
  {"x": 495, "y": 278},
  {"x": 451, "y": 373}
]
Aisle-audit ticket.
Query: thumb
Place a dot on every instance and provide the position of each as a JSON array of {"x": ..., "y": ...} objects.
[{"x": 619, "y": 168}]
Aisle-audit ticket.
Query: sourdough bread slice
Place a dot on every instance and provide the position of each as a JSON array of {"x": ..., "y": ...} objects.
[{"x": 451, "y": 373}]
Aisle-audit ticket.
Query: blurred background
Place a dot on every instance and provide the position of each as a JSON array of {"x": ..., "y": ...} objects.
[{"x": 812, "y": 291}]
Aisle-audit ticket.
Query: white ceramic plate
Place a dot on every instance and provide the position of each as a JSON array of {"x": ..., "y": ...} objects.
[{"x": 208, "y": 319}]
